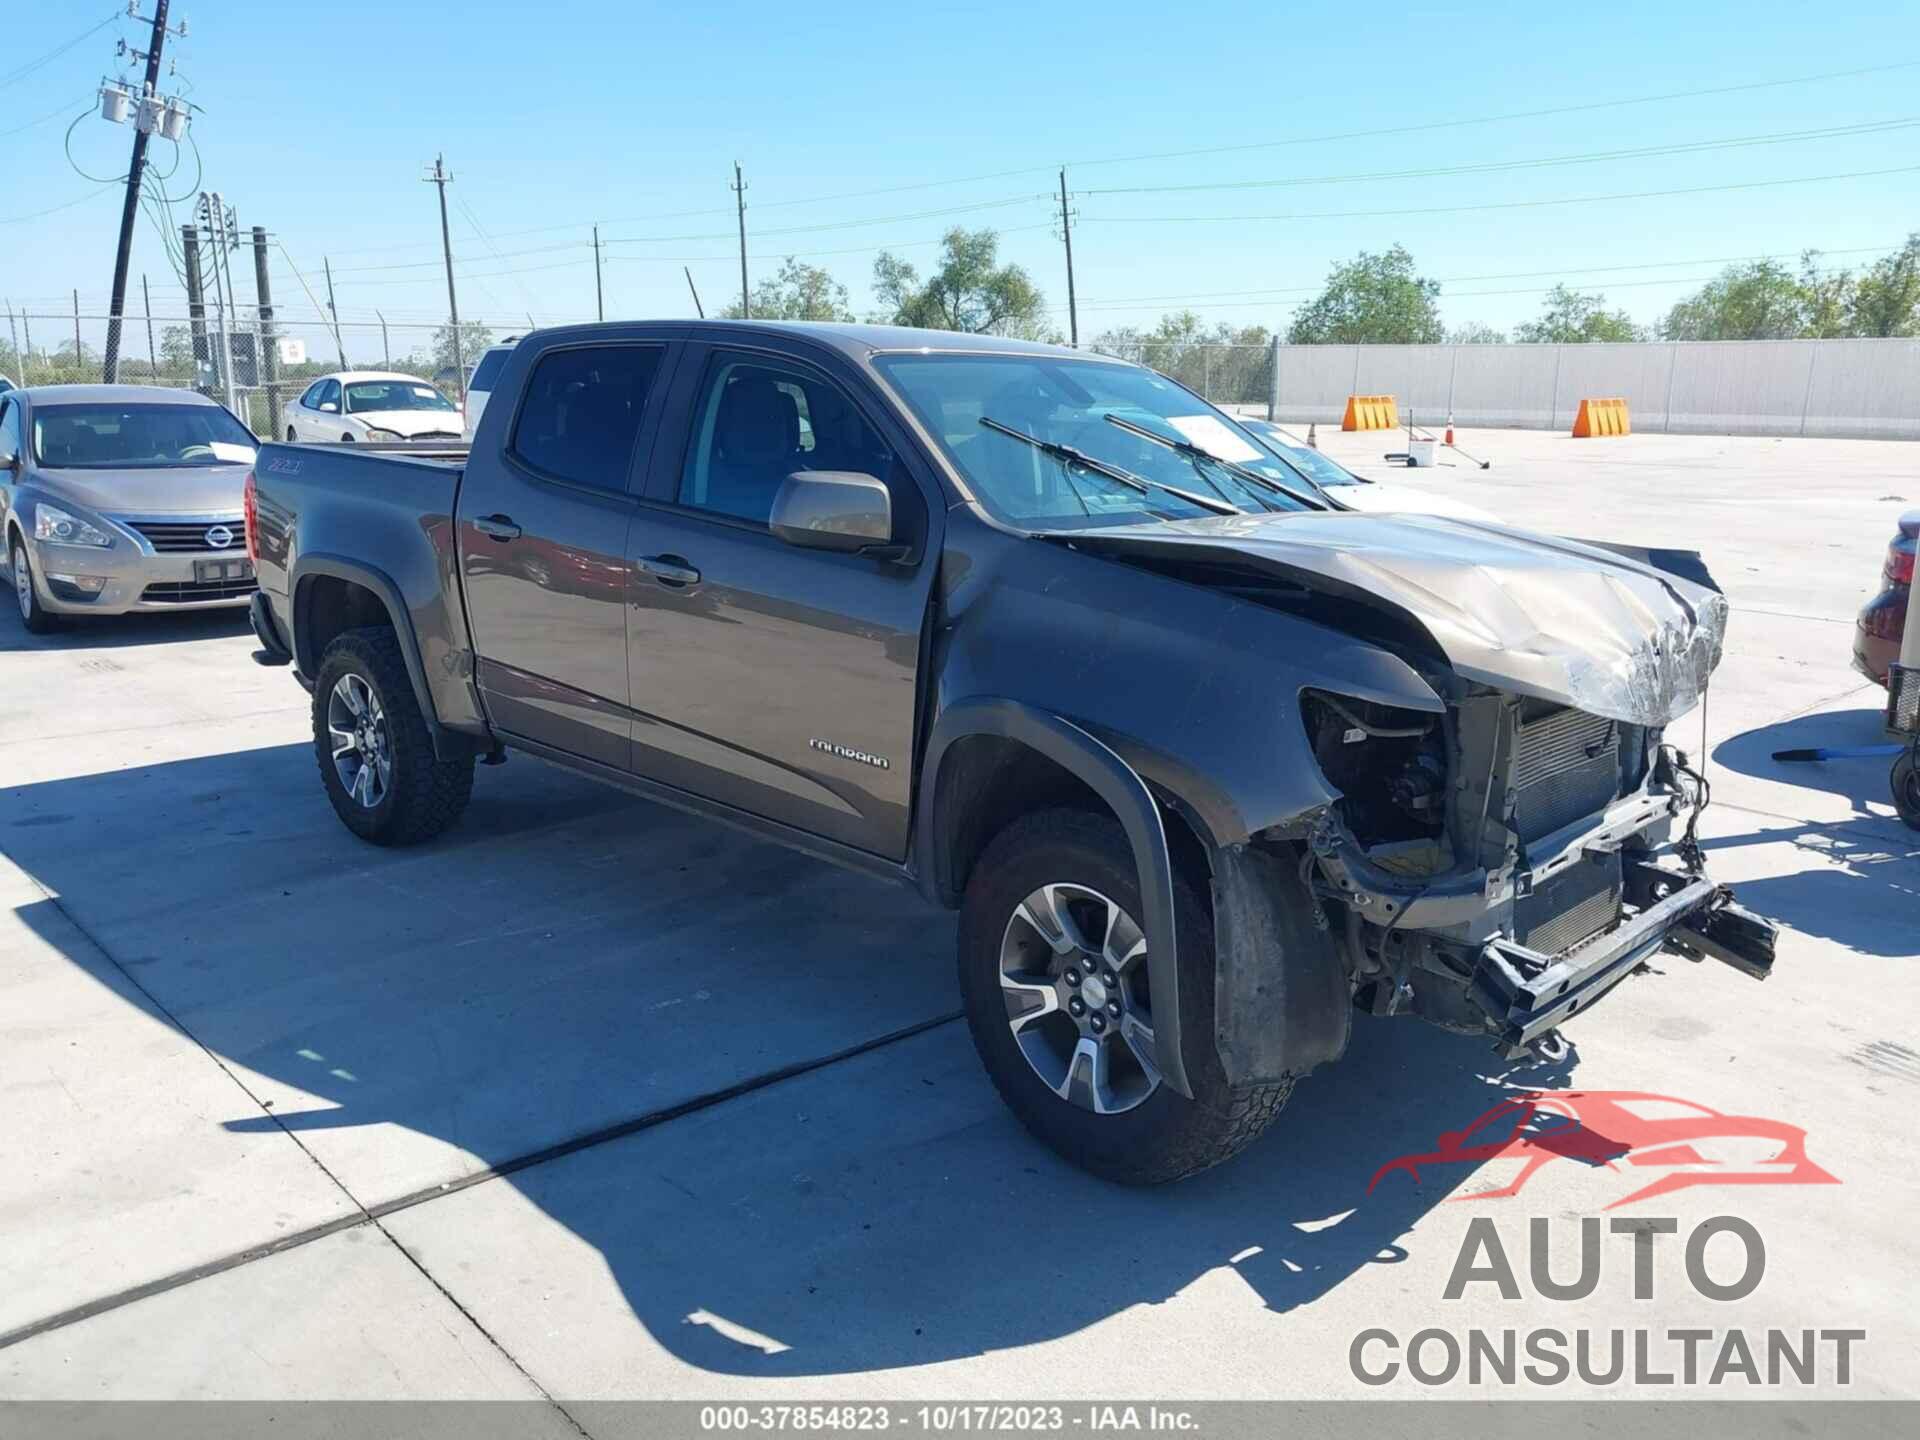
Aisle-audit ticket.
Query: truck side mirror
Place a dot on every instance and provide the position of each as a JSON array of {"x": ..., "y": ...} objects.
[{"x": 832, "y": 510}]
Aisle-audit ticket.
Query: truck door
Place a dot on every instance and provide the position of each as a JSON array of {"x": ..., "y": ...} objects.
[
  {"x": 777, "y": 679},
  {"x": 544, "y": 510}
]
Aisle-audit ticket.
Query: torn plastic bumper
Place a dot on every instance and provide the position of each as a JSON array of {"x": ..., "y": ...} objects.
[{"x": 1525, "y": 995}]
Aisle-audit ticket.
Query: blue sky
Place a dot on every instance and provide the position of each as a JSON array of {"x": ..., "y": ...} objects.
[{"x": 318, "y": 120}]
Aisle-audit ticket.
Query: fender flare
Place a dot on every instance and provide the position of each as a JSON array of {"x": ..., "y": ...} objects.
[
  {"x": 447, "y": 745},
  {"x": 1123, "y": 791}
]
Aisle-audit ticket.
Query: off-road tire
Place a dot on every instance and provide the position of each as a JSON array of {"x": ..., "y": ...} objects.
[
  {"x": 426, "y": 795},
  {"x": 37, "y": 619},
  {"x": 1167, "y": 1136},
  {"x": 1905, "y": 779}
]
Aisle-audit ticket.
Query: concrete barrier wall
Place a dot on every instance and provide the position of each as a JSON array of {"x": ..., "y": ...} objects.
[{"x": 1862, "y": 389}]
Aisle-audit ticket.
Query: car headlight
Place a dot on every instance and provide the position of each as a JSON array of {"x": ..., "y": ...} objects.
[
  {"x": 52, "y": 523},
  {"x": 374, "y": 432}
]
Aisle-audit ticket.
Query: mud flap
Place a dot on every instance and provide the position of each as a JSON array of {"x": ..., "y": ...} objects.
[{"x": 1281, "y": 1004}]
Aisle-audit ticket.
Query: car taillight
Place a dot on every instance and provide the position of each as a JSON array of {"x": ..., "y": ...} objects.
[
  {"x": 1899, "y": 567},
  {"x": 250, "y": 508}
]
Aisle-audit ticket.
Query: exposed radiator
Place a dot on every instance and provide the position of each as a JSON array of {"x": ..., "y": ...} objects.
[
  {"x": 1566, "y": 767},
  {"x": 1574, "y": 905}
]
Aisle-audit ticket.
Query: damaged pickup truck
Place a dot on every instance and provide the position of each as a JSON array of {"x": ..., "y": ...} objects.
[{"x": 1205, "y": 761}]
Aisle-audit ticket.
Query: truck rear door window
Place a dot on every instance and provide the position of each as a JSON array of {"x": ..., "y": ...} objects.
[{"x": 582, "y": 413}]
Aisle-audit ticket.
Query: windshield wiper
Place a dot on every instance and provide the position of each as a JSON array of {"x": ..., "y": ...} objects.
[
  {"x": 1232, "y": 467},
  {"x": 1067, "y": 455}
]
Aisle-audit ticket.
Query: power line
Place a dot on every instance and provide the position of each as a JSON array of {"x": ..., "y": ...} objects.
[
  {"x": 1560, "y": 274},
  {"x": 1686, "y": 147},
  {"x": 53, "y": 114},
  {"x": 1498, "y": 205},
  {"x": 54, "y": 54},
  {"x": 55, "y": 209},
  {"x": 1504, "y": 116}
]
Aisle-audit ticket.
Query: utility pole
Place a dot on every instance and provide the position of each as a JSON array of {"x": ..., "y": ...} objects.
[
  {"x": 333, "y": 311},
  {"x": 26, "y": 359},
  {"x": 440, "y": 177},
  {"x": 386, "y": 350},
  {"x": 1066, "y": 234},
  {"x": 13, "y": 331},
  {"x": 599, "y": 297},
  {"x": 269, "y": 351},
  {"x": 79, "y": 355},
  {"x": 153, "y": 351},
  {"x": 129, "y": 211},
  {"x": 740, "y": 201},
  {"x": 214, "y": 208},
  {"x": 196, "y": 299}
]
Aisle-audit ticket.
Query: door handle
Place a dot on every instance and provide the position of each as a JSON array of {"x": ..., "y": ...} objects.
[
  {"x": 497, "y": 527},
  {"x": 671, "y": 570}
]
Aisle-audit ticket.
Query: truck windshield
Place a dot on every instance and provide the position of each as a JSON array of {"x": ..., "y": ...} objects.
[
  {"x": 144, "y": 437},
  {"x": 369, "y": 395},
  {"x": 1063, "y": 402}
]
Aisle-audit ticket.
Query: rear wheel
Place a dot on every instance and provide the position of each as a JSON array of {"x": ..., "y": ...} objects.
[
  {"x": 1057, "y": 983},
  {"x": 374, "y": 749},
  {"x": 1906, "y": 787},
  {"x": 35, "y": 616}
]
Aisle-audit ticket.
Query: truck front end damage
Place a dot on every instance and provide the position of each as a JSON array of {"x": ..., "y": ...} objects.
[
  {"x": 1507, "y": 865},
  {"x": 1495, "y": 863}
]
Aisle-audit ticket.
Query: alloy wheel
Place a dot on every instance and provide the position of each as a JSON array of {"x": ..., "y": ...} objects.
[
  {"x": 362, "y": 745},
  {"x": 1073, "y": 973},
  {"x": 23, "y": 582}
]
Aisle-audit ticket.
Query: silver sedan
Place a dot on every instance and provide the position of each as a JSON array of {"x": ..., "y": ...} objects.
[{"x": 122, "y": 497}]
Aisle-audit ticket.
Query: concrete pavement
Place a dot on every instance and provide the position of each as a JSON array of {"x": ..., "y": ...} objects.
[{"x": 261, "y": 1080}]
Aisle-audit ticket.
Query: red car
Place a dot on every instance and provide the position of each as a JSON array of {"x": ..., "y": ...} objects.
[
  {"x": 1876, "y": 639},
  {"x": 1678, "y": 1143}
]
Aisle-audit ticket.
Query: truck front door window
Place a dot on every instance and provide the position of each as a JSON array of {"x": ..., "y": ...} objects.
[{"x": 756, "y": 424}]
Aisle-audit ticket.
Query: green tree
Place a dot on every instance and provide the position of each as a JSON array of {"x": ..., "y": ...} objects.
[
  {"x": 1476, "y": 332},
  {"x": 970, "y": 290},
  {"x": 474, "y": 340},
  {"x": 799, "y": 292},
  {"x": 1569, "y": 317},
  {"x": 1227, "y": 364},
  {"x": 1372, "y": 300},
  {"x": 1761, "y": 300},
  {"x": 1886, "y": 301},
  {"x": 176, "y": 350},
  {"x": 1828, "y": 299}
]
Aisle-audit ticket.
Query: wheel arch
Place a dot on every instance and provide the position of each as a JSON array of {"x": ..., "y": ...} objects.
[
  {"x": 989, "y": 759},
  {"x": 331, "y": 594}
]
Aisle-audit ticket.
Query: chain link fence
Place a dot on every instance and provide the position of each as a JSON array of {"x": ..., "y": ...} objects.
[
  {"x": 1237, "y": 378},
  {"x": 249, "y": 359}
]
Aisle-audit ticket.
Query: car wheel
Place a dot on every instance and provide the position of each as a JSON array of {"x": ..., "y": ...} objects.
[
  {"x": 1906, "y": 788},
  {"x": 373, "y": 747},
  {"x": 1057, "y": 985},
  {"x": 35, "y": 616}
]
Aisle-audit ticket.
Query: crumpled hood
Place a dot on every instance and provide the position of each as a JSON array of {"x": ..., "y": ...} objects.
[
  {"x": 1556, "y": 619},
  {"x": 163, "y": 490},
  {"x": 413, "y": 422}
]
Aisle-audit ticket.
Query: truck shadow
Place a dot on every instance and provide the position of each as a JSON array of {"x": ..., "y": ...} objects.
[
  {"x": 536, "y": 976},
  {"x": 88, "y": 632}
]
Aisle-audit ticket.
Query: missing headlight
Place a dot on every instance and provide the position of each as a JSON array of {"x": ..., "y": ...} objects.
[{"x": 1389, "y": 764}]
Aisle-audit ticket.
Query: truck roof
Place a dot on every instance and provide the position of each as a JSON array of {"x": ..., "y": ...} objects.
[{"x": 862, "y": 340}]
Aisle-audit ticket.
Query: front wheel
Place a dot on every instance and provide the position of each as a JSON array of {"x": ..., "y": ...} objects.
[
  {"x": 1058, "y": 988},
  {"x": 35, "y": 616},
  {"x": 373, "y": 747}
]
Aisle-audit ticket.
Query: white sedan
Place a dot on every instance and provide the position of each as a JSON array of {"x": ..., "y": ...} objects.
[
  {"x": 372, "y": 405},
  {"x": 1356, "y": 491}
]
